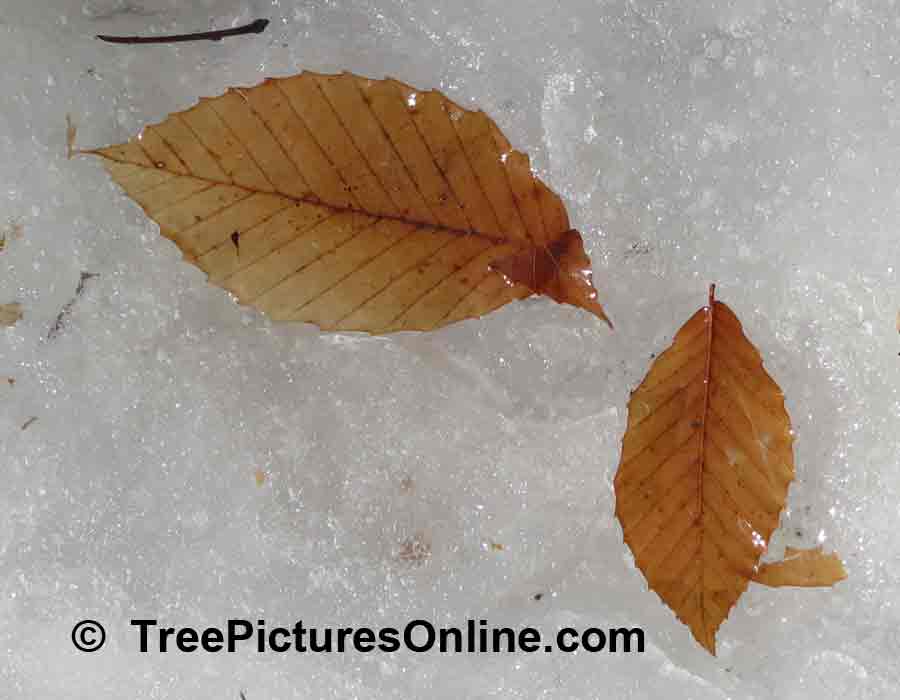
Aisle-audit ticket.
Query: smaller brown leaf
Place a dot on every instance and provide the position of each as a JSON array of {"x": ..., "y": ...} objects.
[
  {"x": 706, "y": 464},
  {"x": 10, "y": 314},
  {"x": 809, "y": 568}
]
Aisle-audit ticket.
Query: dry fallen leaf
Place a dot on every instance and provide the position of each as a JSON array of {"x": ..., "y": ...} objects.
[
  {"x": 706, "y": 463},
  {"x": 354, "y": 204},
  {"x": 802, "y": 567},
  {"x": 10, "y": 314}
]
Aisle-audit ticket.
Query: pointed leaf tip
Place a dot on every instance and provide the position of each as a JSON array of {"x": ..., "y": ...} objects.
[{"x": 560, "y": 270}]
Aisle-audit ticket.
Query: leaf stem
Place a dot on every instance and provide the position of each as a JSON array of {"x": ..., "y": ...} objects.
[{"x": 256, "y": 27}]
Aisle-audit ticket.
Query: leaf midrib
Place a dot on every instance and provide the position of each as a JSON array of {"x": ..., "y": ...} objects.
[
  {"x": 701, "y": 457},
  {"x": 338, "y": 209}
]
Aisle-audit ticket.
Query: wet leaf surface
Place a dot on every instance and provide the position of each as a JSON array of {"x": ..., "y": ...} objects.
[
  {"x": 354, "y": 204},
  {"x": 706, "y": 463}
]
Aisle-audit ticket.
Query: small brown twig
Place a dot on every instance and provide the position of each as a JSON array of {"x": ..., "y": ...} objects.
[
  {"x": 71, "y": 133},
  {"x": 66, "y": 310},
  {"x": 256, "y": 27}
]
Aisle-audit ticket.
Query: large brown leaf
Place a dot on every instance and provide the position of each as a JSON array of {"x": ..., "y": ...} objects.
[
  {"x": 706, "y": 463},
  {"x": 354, "y": 204}
]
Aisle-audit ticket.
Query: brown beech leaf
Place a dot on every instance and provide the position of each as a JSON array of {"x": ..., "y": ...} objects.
[
  {"x": 802, "y": 567},
  {"x": 706, "y": 463},
  {"x": 354, "y": 204}
]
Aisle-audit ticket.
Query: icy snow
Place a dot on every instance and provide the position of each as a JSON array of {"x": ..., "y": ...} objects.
[{"x": 753, "y": 143}]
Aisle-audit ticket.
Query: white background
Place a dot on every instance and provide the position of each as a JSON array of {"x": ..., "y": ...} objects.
[{"x": 753, "y": 143}]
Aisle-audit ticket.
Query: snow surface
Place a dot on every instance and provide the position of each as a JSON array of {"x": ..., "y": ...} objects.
[{"x": 753, "y": 143}]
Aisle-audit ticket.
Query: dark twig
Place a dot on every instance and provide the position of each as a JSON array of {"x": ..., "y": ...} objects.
[
  {"x": 61, "y": 316},
  {"x": 256, "y": 27},
  {"x": 28, "y": 422}
]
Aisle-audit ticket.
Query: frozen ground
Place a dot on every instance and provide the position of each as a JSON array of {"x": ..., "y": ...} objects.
[{"x": 753, "y": 143}]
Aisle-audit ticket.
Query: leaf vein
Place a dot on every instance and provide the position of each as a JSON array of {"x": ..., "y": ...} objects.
[
  {"x": 404, "y": 273},
  {"x": 384, "y": 132},
  {"x": 315, "y": 142},
  {"x": 360, "y": 154},
  {"x": 331, "y": 251},
  {"x": 299, "y": 234},
  {"x": 428, "y": 291},
  {"x": 457, "y": 200},
  {"x": 181, "y": 200},
  {"x": 355, "y": 270},
  {"x": 202, "y": 144},
  {"x": 244, "y": 147},
  {"x": 171, "y": 149},
  {"x": 204, "y": 220},
  {"x": 478, "y": 180}
]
